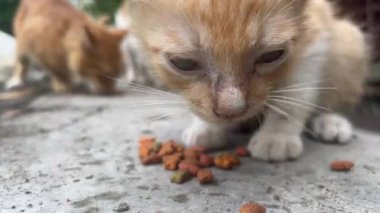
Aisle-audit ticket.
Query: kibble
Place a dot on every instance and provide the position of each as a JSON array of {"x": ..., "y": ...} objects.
[
  {"x": 252, "y": 208},
  {"x": 180, "y": 177},
  {"x": 205, "y": 176},
  {"x": 241, "y": 151},
  {"x": 342, "y": 166}
]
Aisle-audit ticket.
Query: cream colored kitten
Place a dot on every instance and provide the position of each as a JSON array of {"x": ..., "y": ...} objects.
[{"x": 233, "y": 60}]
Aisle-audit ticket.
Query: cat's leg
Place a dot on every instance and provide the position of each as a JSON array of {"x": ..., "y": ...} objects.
[
  {"x": 332, "y": 128},
  {"x": 201, "y": 133},
  {"x": 19, "y": 74},
  {"x": 104, "y": 86},
  {"x": 60, "y": 82}
]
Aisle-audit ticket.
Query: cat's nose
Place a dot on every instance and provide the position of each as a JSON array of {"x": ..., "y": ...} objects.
[{"x": 230, "y": 102}]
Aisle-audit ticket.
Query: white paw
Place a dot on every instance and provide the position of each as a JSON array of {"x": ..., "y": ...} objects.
[
  {"x": 332, "y": 128},
  {"x": 275, "y": 146},
  {"x": 14, "y": 83},
  {"x": 198, "y": 135}
]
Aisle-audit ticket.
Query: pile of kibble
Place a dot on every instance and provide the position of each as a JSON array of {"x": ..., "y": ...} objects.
[{"x": 187, "y": 163}]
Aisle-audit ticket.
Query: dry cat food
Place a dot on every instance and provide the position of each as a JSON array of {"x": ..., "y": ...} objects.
[
  {"x": 342, "y": 165},
  {"x": 241, "y": 151},
  {"x": 186, "y": 163},
  {"x": 180, "y": 177},
  {"x": 252, "y": 208},
  {"x": 227, "y": 161},
  {"x": 205, "y": 176}
]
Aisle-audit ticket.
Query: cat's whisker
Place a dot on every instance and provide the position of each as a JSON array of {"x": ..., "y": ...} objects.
[
  {"x": 289, "y": 104},
  {"x": 295, "y": 86},
  {"x": 153, "y": 89},
  {"x": 170, "y": 113},
  {"x": 297, "y": 101},
  {"x": 289, "y": 117},
  {"x": 304, "y": 89}
]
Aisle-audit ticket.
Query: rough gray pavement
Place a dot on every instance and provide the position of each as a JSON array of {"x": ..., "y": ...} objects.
[{"x": 79, "y": 154}]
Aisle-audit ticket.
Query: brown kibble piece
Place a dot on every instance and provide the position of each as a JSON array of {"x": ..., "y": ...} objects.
[
  {"x": 205, "y": 176},
  {"x": 155, "y": 148},
  {"x": 193, "y": 169},
  {"x": 189, "y": 166},
  {"x": 171, "y": 162},
  {"x": 168, "y": 148},
  {"x": 226, "y": 161},
  {"x": 145, "y": 145},
  {"x": 206, "y": 160},
  {"x": 241, "y": 151},
  {"x": 252, "y": 208},
  {"x": 151, "y": 159},
  {"x": 342, "y": 166},
  {"x": 192, "y": 154},
  {"x": 179, "y": 148},
  {"x": 180, "y": 177}
]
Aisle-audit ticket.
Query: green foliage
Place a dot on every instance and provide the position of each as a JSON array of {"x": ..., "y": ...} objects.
[
  {"x": 7, "y": 11},
  {"x": 103, "y": 7}
]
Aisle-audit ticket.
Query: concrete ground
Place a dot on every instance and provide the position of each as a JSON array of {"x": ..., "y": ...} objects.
[{"x": 79, "y": 154}]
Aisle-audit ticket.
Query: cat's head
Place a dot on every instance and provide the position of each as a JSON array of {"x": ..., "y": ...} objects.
[
  {"x": 225, "y": 57},
  {"x": 99, "y": 50}
]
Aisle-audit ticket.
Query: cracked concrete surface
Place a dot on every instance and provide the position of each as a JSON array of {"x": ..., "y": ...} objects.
[{"x": 79, "y": 154}]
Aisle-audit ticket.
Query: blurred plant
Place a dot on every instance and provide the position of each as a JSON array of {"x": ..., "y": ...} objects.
[
  {"x": 101, "y": 8},
  {"x": 8, "y": 9}
]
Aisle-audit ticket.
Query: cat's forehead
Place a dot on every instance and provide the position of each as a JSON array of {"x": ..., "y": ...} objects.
[{"x": 237, "y": 24}]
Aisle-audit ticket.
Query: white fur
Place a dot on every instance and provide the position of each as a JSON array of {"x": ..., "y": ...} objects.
[
  {"x": 280, "y": 137},
  {"x": 14, "y": 82},
  {"x": 332, "y": 128},
  {"x": 201, "y": 133}
]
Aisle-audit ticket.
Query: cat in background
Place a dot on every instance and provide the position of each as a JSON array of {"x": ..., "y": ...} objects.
[
  {"x": 294, "y": 61},
  {"x": 67, "y": 44}
]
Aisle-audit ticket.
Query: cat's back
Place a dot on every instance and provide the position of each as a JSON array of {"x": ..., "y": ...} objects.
[{"x": 45, "y": 18}]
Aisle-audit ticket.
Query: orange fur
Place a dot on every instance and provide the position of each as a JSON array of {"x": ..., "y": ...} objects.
[
  {"x": 229, "y": 34},
  {"x": 68, "y": 44}
]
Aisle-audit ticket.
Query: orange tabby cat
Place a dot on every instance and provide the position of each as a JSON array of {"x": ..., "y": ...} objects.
[
  {"x": 235, "y": 59},
  {"x": 66, "y": 43}
]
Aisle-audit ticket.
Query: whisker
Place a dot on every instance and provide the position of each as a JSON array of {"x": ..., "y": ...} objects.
[
  {"x": 297, "y": 101},
  {"x": 289, "y": 117},
  {"x": 304, "y": 89},
  {"x": 294, "y": 86},
  {"x": 152, "y": 89}
]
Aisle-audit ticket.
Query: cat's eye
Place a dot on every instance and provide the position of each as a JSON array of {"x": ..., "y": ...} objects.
[
  {"x": 184, "y": 64},
  {"x": 271, "y": 57}
]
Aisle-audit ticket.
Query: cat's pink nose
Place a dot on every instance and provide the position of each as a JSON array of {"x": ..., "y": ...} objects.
[{"x": 230, "y": 103}]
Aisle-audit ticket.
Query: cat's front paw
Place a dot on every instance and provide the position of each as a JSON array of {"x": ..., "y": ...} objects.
[
  {"x": 208, "y": 137},
  {"x": 332, "y": 128},
  {"x": 14, "y": 82},
  {"x": 275, "y": 147}
]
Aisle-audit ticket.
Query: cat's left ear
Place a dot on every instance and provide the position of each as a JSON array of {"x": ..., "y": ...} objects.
[{"x": 119, "y": 34}]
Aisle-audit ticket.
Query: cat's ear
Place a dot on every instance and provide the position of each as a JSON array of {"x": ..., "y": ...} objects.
[
  {"x": 120, "y": 34},
  {"x": 88, "y": 37}
]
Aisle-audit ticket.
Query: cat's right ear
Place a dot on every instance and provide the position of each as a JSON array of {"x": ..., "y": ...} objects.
[{"x": 88, "y": 38}]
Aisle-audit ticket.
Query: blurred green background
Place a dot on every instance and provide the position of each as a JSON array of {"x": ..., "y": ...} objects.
[{"x": 95, "y": 7}]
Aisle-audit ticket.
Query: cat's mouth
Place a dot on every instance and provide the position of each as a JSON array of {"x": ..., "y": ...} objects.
[{"x": 249, "y": 113}]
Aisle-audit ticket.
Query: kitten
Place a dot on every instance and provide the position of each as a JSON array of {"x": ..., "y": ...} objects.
[
  {"x": 137, "y": 68},
  {"x": 234, "y": 60},
  {"x": 68, "y": 44}
]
